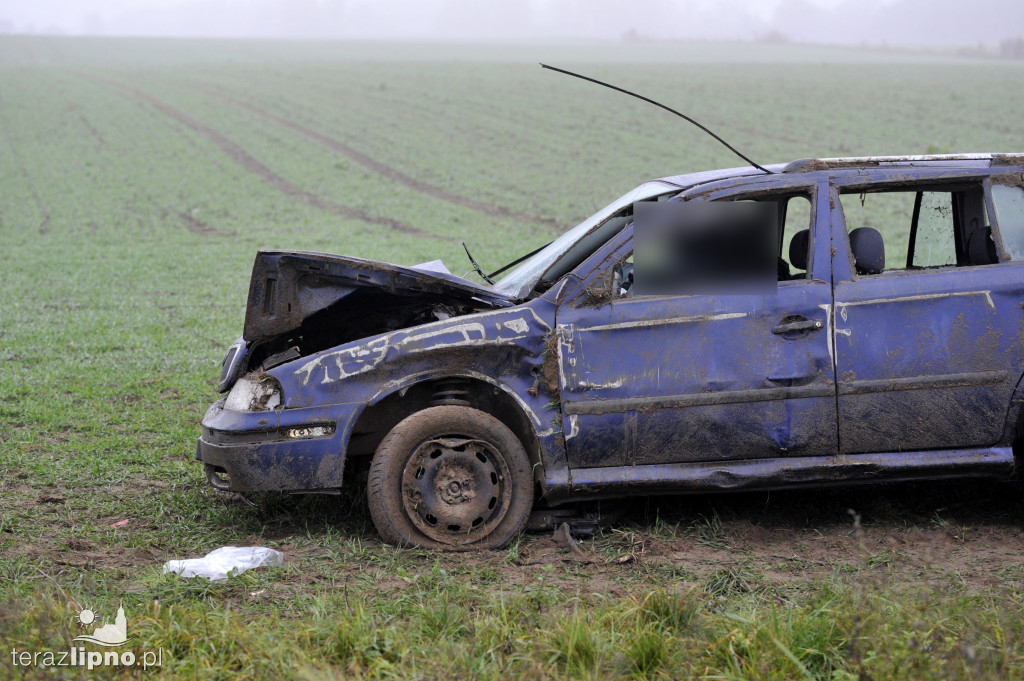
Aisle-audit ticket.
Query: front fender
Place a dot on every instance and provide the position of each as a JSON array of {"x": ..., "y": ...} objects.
[{"x": 504, "y": 348}]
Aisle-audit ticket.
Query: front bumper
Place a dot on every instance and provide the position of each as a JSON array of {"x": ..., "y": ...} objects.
[{"x": 298, "y": 450}]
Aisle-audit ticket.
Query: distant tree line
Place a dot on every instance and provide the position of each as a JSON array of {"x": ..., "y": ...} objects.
[{"x": 1012, "y": 48}]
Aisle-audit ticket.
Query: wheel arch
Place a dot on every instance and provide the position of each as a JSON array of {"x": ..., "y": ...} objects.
[{"x": 390, "y": 406}]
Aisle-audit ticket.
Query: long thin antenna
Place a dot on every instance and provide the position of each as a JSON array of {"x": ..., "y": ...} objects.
[{"x": 658, "y": 104}]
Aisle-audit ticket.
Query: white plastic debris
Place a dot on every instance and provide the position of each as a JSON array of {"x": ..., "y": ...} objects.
[{"x": 217, "y": 564}]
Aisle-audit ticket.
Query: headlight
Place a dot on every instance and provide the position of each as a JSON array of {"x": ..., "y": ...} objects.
[
  {"x": 255, "y": 392},
  {"x": 308, "y": 432},
  {"x": 231, "y": 365}
]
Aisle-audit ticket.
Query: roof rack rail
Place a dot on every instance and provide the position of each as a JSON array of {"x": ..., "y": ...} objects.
[{"x": 810, "y": 164}]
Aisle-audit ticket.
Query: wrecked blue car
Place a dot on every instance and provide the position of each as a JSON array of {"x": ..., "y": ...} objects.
[{"x": 887, "y": 345}]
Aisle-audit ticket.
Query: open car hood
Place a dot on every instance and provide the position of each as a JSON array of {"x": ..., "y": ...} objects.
[{"x": 291, "y": 292}]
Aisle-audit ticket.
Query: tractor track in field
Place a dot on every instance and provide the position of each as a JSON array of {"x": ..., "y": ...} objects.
[
  {"x": 253, "y": 165},
  {"x": 97, "y": 136},
  {"x": 382, "y": 169},
  {"x": 196, "y": 226},
  {"x": 191, "y": 223},
  {"x": 44, "y": 223}
]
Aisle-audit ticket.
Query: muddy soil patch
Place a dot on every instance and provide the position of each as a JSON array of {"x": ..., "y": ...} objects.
[{"x": 968, "y": 537}]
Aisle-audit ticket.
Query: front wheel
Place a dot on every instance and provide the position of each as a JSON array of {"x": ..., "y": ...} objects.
[{"x": 452, "y": 478}]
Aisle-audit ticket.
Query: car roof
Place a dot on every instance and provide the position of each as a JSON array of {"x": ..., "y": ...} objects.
[
  {"x": 806, "y": 165},
  {"x": 703, "y": 177}
]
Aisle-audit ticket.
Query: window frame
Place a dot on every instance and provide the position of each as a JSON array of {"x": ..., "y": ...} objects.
[
  {"x": 807, "y": 192},
  {"x": 918, "y": 187},
  {"x": 990, "y": 206}
]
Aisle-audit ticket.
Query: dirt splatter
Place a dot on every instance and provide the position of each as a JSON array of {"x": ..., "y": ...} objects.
[
  {"x": 1008, "y": 179},
  {"x": 549, "y": 369},
  {"x": 1008, "y": 159}
]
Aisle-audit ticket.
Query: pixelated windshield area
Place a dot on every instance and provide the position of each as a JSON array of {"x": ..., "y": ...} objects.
[{"x": 685, "y": 248}]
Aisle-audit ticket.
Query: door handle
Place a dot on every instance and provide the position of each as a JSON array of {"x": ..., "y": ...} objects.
[{"x": 799, "y": 324}]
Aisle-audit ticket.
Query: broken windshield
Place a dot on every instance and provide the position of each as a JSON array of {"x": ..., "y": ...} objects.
[{"x": 520, "y": 281}]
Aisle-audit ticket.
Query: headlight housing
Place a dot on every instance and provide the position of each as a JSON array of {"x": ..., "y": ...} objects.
[
  {"x": 231, "y": 365},
  {"x": 255, "y": 392}
]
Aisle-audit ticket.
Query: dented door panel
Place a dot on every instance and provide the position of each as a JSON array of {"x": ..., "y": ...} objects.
[
  {"x": 697, "y": 378},
  {"x": 651, "y": 380},
  {"x": 928, "y": 360},
  {"x": 925, "y": 359}
]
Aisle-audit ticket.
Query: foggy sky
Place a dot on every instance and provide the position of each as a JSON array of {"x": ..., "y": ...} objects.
[{"x": 893, "y": 22}]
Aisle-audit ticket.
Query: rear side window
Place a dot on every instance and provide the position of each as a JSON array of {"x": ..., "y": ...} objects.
[
  {"x": 1008, "y": 203},
  {"x": 934, "y": 243},
  {"x": 918, "y": 228}
]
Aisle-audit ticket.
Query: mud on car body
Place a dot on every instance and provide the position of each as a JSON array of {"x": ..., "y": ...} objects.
[{"x": 890, "y": 346}]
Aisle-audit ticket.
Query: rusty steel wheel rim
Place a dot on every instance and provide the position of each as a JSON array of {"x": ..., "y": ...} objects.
[{"x": 456, "y": 490}]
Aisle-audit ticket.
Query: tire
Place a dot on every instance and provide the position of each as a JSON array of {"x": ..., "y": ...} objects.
[{"x": 451, "y": 478}]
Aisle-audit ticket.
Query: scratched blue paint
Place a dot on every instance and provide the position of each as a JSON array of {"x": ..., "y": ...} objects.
[{"x": 906, "y": 374}]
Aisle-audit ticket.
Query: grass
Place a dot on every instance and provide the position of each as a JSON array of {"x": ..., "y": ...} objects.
[
  {"x": 139, "y": 177},
  {"x": 459, "y": 630}
]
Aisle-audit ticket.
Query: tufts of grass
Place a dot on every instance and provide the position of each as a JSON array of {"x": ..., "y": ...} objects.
[
  {"x": 441, "y": 620},
  {"x": 709, "y": 532},
  {"x": 728, "y": 581},
  {"x": 647, "y": 651},
  {"x": 839, "y": 630},
  {"x": 670, "y": 612},
  {"x": 576, "y": 646}
]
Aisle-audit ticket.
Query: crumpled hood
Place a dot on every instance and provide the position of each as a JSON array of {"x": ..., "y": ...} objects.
[{"x": 290, "y": 287}]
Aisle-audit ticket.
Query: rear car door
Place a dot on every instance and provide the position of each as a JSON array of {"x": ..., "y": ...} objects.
[
  {"x": 653, "y": 379},
  {"x": 928, "y": 343}
]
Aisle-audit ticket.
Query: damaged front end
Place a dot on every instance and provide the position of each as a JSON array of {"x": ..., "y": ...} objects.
[
  {"x": 312, "y": 320},
  {"x": 301, "y": 303}
]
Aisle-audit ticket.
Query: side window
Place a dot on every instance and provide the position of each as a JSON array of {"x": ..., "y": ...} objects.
[
  {"x": 1008, "y": 203},
  {"x": 796, "y": 257},
  {"x": 917, "y": 228},
  {"x": 887, "y": 214},
  {"x": 740, "y": 245},
  {"x": 934, "y": 244}
]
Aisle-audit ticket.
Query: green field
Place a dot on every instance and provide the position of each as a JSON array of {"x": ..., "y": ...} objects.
[{"x": 137, "y": 180}]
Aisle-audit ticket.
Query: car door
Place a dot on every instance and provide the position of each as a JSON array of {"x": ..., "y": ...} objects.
[
  {"x": 928, "y": 350},
  {"x": 653, "y": 379}
]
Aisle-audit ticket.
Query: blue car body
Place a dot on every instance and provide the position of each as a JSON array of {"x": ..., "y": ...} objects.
[{"x": 838, "y": 375}]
